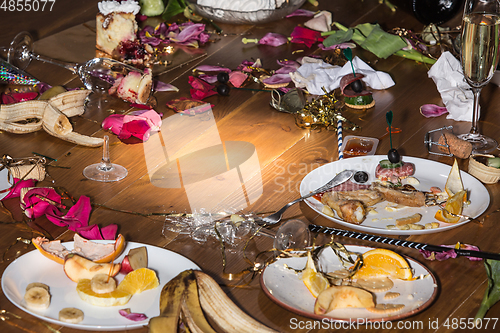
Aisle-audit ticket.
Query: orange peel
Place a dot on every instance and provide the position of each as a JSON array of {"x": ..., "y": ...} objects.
[{"x": 55, "y": 251}]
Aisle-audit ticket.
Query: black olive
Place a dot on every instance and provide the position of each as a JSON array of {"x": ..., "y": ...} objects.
[
  {"x": 361, "y": 177},
  {"x": 223, "y": 89},
  {"x": 223, "y": 77},
  {"x": 393, "y": 156},
  {"x": 357, "y": 86}
]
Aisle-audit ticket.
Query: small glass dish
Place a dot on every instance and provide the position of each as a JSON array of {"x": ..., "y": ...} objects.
[{"x": 354, "y": 145}]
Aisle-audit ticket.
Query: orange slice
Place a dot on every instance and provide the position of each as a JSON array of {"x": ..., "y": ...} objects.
[
  {"x": 138, "y": 281},
  {"x": 55, "y": 251},
  {"x": 116, "y": 297},
  {"x": 454, "y": 205},
  {"x": 382, "y": 262},
  {"x": 313, "y": 280}
]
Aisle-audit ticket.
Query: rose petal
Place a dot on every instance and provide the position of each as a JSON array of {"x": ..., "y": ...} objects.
[
  {"x": 432, "y": 110},
  {"x": 77, "y": 216},
  {"x": 209, "y": 68},
  {"x": 161, "y": 86},
  {"x": 305, "y": 36},
  {"x": 18, "y": 185},
  {"x": 132, "y": 316},
  {"x": 273, "y": 39},
  {"x": 302, "y": 12},
  {"x": 277, "y": 78},
  {"x": 237, "y": 78},
  {"x": 114, "y": 123}
]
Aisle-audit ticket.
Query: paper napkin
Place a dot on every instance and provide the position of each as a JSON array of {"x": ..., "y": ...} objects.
[
  {"x": 313, "y": 74},
  {"x": 455, "y": 92}
]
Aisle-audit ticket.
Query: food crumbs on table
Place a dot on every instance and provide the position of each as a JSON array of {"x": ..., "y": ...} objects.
[{"x": 375, "y": 220}]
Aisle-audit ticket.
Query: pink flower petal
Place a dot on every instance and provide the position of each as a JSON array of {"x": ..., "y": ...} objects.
[
  {"x": 440, "y": 256},
  {"x": 273, "y": 39},
  {"x": 114, "y": 123},
  {"x": 77, "y": 216},
  {"x": 432, "y": 110},
  {"x": 138, "y": 128},
  {"x": 208, "y": 78},
  {"x": 18, "y": 185},
  {"x": 109, "y": 231},
  {"x": 237, "y": 78},
  {"x": 161, "y": 86},
  {"x": 302, "y": 12},
  {"x": 132, "y": 315},
  {"x": 209, "y": 68},
  {"x": 305, "y": 36},
  {"x": 278, "y": 78}
]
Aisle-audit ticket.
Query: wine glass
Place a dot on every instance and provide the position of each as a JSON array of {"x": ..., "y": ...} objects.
[
  {"x": 98, "y": 74},
  {"x": 292, "y": 234},
  {"x": 479, "y": 58},
  {"x": 105, "y": 171},
  {"x": 436, "y": 12}
]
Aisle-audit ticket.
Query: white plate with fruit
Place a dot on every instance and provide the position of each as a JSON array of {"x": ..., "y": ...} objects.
[
  {"x": 427, "y": 174},
  {"x": 35, "y": 267},
  {"x": 401, "y": 299}
]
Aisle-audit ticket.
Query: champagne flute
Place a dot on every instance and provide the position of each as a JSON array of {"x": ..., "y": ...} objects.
[
  {"x": 292, "y": 234},
  {"x": 479, "y": 58},
  {"x": 98, "y": 74},
  {"x": 105, "y": 171}
]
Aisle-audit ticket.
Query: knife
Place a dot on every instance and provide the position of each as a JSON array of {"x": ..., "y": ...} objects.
[{"x": 402, "y": 243}]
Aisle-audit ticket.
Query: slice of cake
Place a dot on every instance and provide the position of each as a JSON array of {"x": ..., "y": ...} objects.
[{"x": 116, "y": 32}]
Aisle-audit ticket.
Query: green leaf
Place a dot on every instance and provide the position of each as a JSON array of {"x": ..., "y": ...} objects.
[
  {"x": 373, "y": 38},
  {"x": 338, "y": 37},
  {"x": 492, "y": 293},
  {"x": 173, "y": 7}
]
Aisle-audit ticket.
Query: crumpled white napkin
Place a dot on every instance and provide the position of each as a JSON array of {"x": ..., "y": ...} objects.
[
  {"x": 455, "y": 92},
  {"x": 315, "y": 73}
]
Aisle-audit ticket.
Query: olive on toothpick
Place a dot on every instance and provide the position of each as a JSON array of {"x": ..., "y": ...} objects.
[
  {"x": 393, "y": 156},
  {"x": 223, "y": 89},
  {"x": 223, "y": 77},
  {"x": 357, "y": 86}
]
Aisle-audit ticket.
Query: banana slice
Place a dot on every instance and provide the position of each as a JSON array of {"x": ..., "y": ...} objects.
[
  {"x": 71, "y": 315},
  {"x": 102, "y": 283},
  {"x": 37, "y": 298},
  {"x": 37, "y": 284}
]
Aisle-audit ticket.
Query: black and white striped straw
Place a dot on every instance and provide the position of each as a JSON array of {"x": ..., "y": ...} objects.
[{"x": 402, "y": 243}]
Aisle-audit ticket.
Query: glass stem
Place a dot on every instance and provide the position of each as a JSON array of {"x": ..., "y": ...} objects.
[
  {"x": 106, "y": 163},
  {"x": 475, "y": 111},
  {"x": 73, "y": 67}
]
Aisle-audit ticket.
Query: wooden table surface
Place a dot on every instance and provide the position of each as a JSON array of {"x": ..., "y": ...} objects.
[{"x": 244, "y": 122}]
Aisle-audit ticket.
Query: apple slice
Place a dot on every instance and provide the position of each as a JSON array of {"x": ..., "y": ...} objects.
[
  {"x": 339, "y": 297},
  {"x": 77, "y": 267},
  {"x": 135, "y": 259}
]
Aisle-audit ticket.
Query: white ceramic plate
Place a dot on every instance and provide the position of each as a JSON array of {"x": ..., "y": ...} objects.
[
  {"x": 5, "y": 184},
  {"x": 285, "y": 288},
  {"x": 429, "y": 173},
  {"x": 34, "y": 267}
]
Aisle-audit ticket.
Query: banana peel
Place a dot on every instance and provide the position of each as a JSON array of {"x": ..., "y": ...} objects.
[
  {"x": 50, "y": 115},
  {"x": 189, "y": 296}
]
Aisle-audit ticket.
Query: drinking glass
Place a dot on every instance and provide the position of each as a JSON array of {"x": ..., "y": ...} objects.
[
  {"x": 105, "y": 171},
  {"x": 97, "y": 74},
  {"x": 479, "y": 58},
  {"x": 292, "y": 234}
]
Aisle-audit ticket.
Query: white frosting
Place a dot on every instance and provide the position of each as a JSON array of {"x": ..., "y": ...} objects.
[{"x": 128, "y": 6}]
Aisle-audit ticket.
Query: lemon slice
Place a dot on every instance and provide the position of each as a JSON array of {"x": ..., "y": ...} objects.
[
  {"x": 382, "y": 262},
  {"x": 313, "y": 280},
  {"x": 454, "y": 182}
]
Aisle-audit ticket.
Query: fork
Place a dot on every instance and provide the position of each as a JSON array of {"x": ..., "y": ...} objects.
[{"x": 337, "y": 180}]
